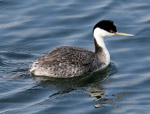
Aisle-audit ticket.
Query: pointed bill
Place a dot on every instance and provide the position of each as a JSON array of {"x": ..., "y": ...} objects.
[{"x": 124, "y": 34}]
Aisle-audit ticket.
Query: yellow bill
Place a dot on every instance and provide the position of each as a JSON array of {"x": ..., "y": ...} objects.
[{"x": 124, "y": 34}]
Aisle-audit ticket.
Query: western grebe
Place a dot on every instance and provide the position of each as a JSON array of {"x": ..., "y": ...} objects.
[{"x": 68, "y": 61}]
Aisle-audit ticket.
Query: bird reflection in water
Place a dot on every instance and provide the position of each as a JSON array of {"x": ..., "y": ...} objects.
[{"x": 91, "y": 82}]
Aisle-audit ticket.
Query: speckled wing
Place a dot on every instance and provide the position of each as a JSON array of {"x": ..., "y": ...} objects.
[{"x": 68, "y": 55}]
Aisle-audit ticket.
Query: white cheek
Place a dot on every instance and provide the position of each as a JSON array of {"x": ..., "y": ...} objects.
[{"x": 98, "y": 32}]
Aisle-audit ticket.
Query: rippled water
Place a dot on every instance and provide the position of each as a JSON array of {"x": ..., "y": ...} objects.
[{"x": 29, "y": 29}]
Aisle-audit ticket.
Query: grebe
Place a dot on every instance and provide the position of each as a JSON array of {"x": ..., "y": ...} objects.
[{"x": 69, "y": 61}]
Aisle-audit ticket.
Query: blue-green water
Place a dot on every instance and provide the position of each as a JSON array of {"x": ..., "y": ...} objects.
[{"x": 30, "y": 29}]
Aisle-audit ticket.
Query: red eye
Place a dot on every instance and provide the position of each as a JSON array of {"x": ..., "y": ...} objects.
[{"x": 111, "y": 30}]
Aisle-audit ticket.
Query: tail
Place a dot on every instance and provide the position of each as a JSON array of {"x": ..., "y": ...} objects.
[{"x": 33, "y": 67}]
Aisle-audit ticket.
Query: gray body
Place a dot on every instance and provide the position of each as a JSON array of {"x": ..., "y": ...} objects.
[{"x": 65, "y": 62}]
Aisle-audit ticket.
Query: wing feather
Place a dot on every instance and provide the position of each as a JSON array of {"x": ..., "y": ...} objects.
[{"x": 67, "y": 55}]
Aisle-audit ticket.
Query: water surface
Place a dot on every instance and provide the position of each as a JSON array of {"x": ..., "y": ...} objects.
[{"x": 30, "y": 29}]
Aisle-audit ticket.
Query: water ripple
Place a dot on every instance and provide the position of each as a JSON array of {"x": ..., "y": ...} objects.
[{"x": 32, "y": 28}]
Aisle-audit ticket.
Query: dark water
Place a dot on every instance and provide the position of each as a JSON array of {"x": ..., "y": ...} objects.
[{"x": 29, "y": 29}]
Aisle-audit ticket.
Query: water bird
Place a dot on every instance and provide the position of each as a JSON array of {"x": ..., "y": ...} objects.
[{"x": 71, "y": 61}]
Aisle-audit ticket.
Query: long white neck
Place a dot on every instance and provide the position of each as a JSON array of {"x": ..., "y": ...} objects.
[
  {"x": 100, "y": 41},
  {"x": 99, "y": 35}
]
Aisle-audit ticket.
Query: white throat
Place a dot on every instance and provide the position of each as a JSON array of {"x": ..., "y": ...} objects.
[{"x": 99, "y": 35}]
